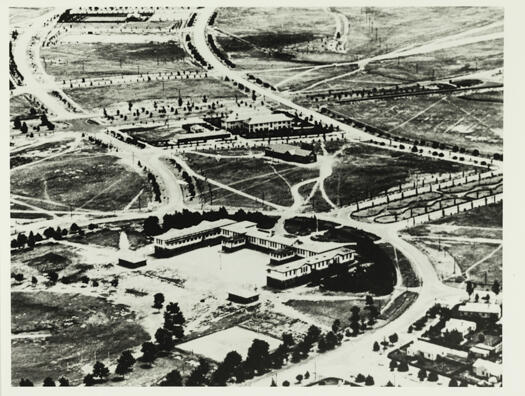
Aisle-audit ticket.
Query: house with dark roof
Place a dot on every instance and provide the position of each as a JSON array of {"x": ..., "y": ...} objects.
[{"x": 290, "y": 153}]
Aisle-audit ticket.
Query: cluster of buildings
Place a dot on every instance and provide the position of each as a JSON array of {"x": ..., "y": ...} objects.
[
  {"x": 478, "y": 356},
  {"x": 293, "y": 260}
]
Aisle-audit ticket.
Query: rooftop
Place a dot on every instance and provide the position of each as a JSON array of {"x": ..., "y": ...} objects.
[
  {"x": 283, "y": 148},
  {"x": 311, "y": 260},
  {"x": 202, "y": 226},
  {"x": 264, "y": 118},
  {"x": 492, "y": 367},
  {"x": 480, "y": 308},
  {"x": 429, "y": 347}
]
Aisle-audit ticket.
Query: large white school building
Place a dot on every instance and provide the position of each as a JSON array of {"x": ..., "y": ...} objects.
[{"x": 294, "y": 260}]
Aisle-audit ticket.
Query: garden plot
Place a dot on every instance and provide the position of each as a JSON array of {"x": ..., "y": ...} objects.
[
  {"x": 217, "y": 345},
  {"x": 362, "y": 171},
  {"x": 448, "y": 119},
  {"x": 68, "y": 61},
  {"x": 74, "y": 180}
]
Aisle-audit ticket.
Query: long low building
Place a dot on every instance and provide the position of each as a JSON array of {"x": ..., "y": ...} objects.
[
  {"x": 304, "y": 270},
  {"x": 290, "y": 153},
  {"x": 178, "y": 241}
]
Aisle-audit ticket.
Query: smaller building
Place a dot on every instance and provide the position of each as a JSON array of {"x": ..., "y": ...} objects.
[
  {"x": 233, "y": 243},
  {"x": 290, "y": 153},
  {"x": 472, "y": 310},
  {"x": 464, "y": 327},
  {"x": 487, "y": 369},
  {"x": 130, "y": 259},
  {"x": 430, "y": 351},
  {"x": 243, "y": 296}
]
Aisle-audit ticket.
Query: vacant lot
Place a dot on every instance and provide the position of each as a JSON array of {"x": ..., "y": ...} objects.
[
  {"x": 446, "y": 119},
  {"x": 490, "y": 216},
  {"x": 35, "y": 153},
  {"x": 19, "y": 105},
  {"x": 99, "y": 97},
  {"x": 253, "y": 176},
  {"x": 75, "y": 179},
  {"x": 64, "y": 320},
  {"x": 70, "y": 61},
  {"x": 364, "y": 171}
]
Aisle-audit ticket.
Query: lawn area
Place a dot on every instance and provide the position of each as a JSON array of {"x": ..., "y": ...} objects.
[
  {"x": 110, "y": 238},
  {"x": 99, "y": 97},
  {"x": 68, "y": 61},
  {"x": 39, "y": 152},
  {"x": 326, "y": 312},
  {"x": 78, "y": 327},
  {"x": 448, "y": 119},
  {"x": 363, "y": 171},
  {"x": 88, "y": 179},
  {"x": 45, "y": 257}
]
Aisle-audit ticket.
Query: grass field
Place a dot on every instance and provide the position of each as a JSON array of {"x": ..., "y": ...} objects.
[
  {"x": 490, "y": 216},
  {"x": 19, "y": 105},
  {"x": 68, "y": 61},
  {"x": 110, "y": 238},
  {"x": 44, "y": 258},
  {"x": 448, "y": 119},
  {"x": 253, "y": 176},
  {"x": 35, "y": 153},
  {"x": 75, "y": 179},
  {"x": 99, "y": 97},
  {"x": 364, "y": 170},
  {"x": 67, "y": 318}
]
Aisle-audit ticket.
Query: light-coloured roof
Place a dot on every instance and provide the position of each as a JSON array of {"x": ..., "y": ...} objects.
[
  {"x": 239, "y": 227},
  {"x": 491, "y": 367},
  {"x": 458, "y": 324},
  {"x": 264, "y": 118},
  {"x": 201, "y": 227},
  {"x": 480, "y": 308},
  {"x": 294, "y": 150},
  {"x": 429, "y": 347},
  {"x": 243, "y": 292},
  {"x": 246, "y": 114},
  {"x": 310, "y": 260}
]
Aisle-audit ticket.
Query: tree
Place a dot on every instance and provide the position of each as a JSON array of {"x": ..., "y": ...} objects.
[
  {"x": 63, "y": 381},
  {"x": 173, "y": 378},
  {"x": 336, "y": 326},
  {"x": 389, "y": 383},
  {"x": 258, "y": 357},
  {"x": 496, "y": 287},
  {"x": 124, "y": 362},
  {"x": 331, "y": 340},
  {"x": 17, "y": 124},
  {"x": 307, "y": 375},
  {"x": 393, "y": 365},
  {"x": 432, "y": 376},
  {"x": 313, "y": 333},
  {"x": 198, "y": 375},
  {"x": 158, "y": 300},
  {"x": 23, "y": 128},
  {"x": 89, "y": 380},
  {"x": 469, "y": 288},
  {"x": 453, "y": 382},
  {"x": 402, "y": 366},
  {"x": 22, "y": 240},
  {"x": 165, "y": 339},
  {"x": 52, "y": 276},
  {"x": 369, "y": 381},
  {"x": 393, "y": 338},
  {"x": 19, "y": 277},
  {"x": 299, "y": 378},
  {"x": 360, "y": 378},
  {"x": 100, "y": 370},
  {"x": 288, "y": 340},
  {"x": 31, "y": 240},
  {"x": 34, "y": 280},
  {"x": 48, "y": 381},
  {"x": 422, "y": 374},
  {"x": 149, "y": 351},
  {"x": 286, "y": 383},
  {"x": 273, "y": 382},
  {"x": 25, "y": 382}
]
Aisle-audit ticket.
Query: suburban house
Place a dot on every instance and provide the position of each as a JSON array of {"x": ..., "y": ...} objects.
[
  {"x": 464, "y": 327},
  {"x": 483, "y": 350},
  {"x": 487, "y": 369},
  {"x": 480, "y": 311},
  {"x": 288, "y": 152},
  {"x": 432, "y": 351}
]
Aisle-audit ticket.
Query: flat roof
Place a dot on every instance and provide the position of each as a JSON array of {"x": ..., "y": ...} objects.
[
  {"x": 426, "y": 346},
  {"x": 239, "y": 227},
  {"x": 205, "y": 134},
  {"x": 201, "y": 227},
  {"x": 273, "y": 117},
  {"x": 458, "y": 324},
  {"x": 492, "y": 367},
  {"x": 480, "y": 307}
]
